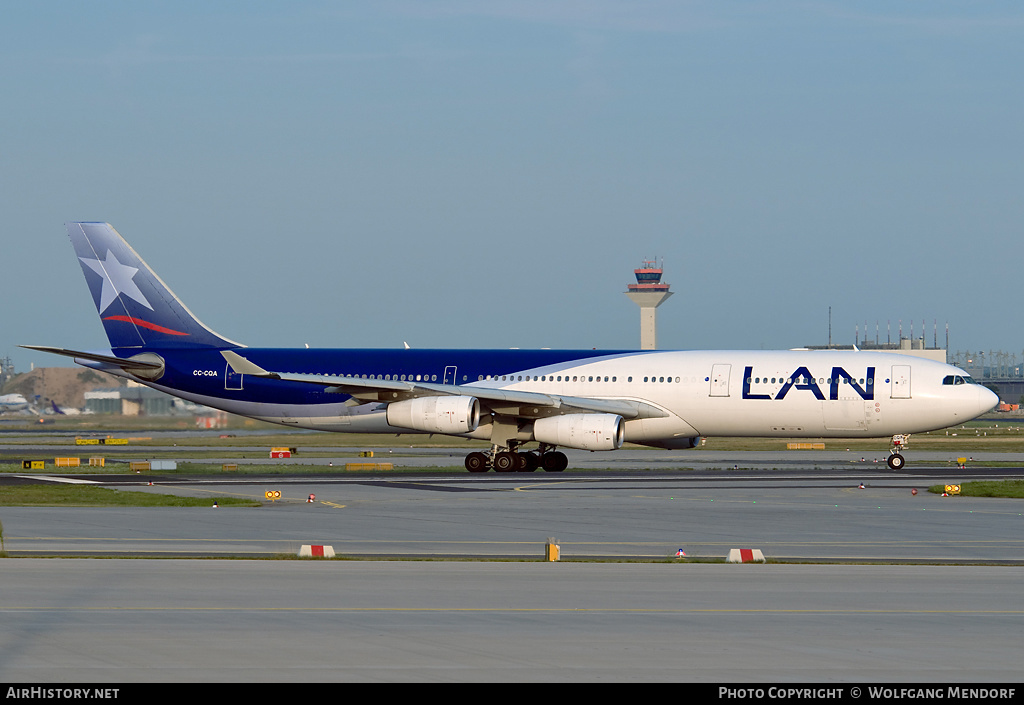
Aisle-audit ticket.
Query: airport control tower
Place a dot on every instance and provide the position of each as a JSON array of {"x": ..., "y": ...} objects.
[{"x": 648, "y": 293}]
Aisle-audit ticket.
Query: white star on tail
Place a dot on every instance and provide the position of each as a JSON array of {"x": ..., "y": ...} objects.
[{"x": 117, "y": 279}]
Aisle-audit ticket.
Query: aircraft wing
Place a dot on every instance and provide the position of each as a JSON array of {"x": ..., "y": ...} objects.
[{"x": 503, "y": 401}]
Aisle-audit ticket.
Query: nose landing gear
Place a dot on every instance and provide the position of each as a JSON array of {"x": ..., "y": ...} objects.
[{"x": 896, "y": 460}]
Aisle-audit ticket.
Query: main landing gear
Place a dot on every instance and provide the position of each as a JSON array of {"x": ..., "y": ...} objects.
[
  {"x": 511, "y": 460},
  {"x": 896, "y": 461}
]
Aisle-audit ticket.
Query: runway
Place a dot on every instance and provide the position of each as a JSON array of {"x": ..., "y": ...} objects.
[
  {"x": 790, "y": 514},
  {"x": 617, "y": 608}
]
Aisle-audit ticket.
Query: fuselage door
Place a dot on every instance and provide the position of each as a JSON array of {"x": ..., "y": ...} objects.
[
  {"x": 720, "y": 380},
  {"x": 449, "y": 375},
  {"x": 900, "y": 381},
  {"x": 232, "y": 379}
]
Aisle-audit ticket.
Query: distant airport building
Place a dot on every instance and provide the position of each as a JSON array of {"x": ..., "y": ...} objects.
[
  {"x": 133, "y": 400},
  {"x": 648, "y": 293},
  {"x": 904, "y": 347},
  {"x": 907, "y": 346},
  {"x": 913, "y": 346}
]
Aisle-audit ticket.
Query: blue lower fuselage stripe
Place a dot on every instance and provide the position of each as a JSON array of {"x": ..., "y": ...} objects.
[{"x": 205, "y": 371}]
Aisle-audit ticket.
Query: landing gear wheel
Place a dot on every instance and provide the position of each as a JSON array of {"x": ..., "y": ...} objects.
[
  {"x": 895, "y": 462},
  {"x": 505, "y": 462},
  {"x": 528, "y": 462},
  {"x": 476, "y": 462},
  {"x": 554, "y": 462}
]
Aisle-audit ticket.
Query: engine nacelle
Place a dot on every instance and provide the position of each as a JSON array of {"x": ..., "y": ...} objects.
[
  {"x": 582, "y": 431},
  {"x": 436, "y": 414}
]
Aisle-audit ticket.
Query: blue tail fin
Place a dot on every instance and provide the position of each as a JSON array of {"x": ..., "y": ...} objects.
[{"x": 137, "y": 308}]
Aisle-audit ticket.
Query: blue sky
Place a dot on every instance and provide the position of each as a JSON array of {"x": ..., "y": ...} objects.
[{"x": 466, "y": 174}]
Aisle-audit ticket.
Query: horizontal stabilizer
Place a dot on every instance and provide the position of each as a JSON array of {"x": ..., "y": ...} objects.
[{"x": 124, "y": 363}]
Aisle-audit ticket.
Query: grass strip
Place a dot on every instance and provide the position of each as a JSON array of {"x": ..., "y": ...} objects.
[
  {"x": 1012, "y": 489},
  {"x": 87, "y": 496}
]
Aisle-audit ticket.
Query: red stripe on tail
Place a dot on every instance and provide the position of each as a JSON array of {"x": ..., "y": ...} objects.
[{"x": 144, "y": 324}]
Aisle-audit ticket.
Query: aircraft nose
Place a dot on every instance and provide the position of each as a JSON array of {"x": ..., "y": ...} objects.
[{"x": 987, "y": 400}]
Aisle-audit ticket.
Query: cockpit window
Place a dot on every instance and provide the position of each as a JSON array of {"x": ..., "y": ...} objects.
[{"x": 958, "y": 379}]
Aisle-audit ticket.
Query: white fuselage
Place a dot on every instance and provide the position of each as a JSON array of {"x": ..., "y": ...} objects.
[
  {"x": 772, "y": 393},
  {"x": 800, "y": 393}
]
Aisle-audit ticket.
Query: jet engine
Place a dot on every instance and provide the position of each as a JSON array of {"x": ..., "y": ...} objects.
[
  {"x": 583, "y": 431},
  {"x": 436, "y": 414}
]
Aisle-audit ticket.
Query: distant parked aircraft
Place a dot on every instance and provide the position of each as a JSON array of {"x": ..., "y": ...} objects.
[
  {"x": 13, "y": 402},
  {"x": 64, "y": 410}
]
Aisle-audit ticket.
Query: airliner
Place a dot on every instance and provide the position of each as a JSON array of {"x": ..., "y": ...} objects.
[
  {"x": 581, "y": 399},
  {"x": 63, "y": 410},
  {"x": 13, "y": 402}
]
